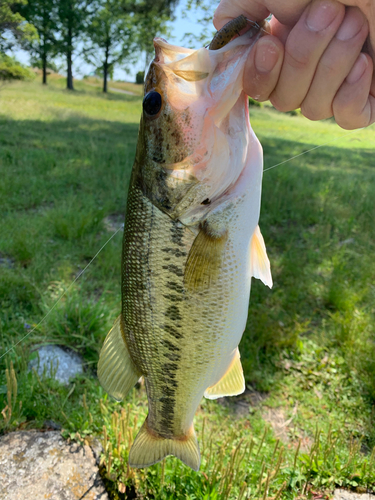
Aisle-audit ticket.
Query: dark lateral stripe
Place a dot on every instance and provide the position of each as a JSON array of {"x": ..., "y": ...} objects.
[
  {"x": 173, "y": 313},
  {"x": 174, "y": 251},
  {"x": 173, "y": 331},
  {"x": 177, "y": 235},
  {"x": 174, "y": 269},
  {"x": 175, "y": 286},
  {"x": 171, "y": 356},
  {"x": 173, "y": 298},
  {"x": 170, "y": 346}
]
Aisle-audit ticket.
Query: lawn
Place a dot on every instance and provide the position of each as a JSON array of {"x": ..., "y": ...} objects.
[{"x": 306, "y": 421}]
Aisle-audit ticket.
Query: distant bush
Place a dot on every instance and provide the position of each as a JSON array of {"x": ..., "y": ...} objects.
[
  {"x": 253, "y": 102},
  {"x": 10, "y": 69},
  {"x": 140, "y": 77}
]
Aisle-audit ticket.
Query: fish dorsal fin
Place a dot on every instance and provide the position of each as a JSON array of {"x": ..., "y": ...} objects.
[
  {"x": 116, "y": 371},
  {"x": 259, "y": 261},
  {"x": 149, "y": 448},
  {"x": 205, "y": 258},
  {"x": 231, "y": 384}
]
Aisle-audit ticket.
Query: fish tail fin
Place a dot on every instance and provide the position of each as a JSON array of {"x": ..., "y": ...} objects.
[{"x": 150, "y": 448}]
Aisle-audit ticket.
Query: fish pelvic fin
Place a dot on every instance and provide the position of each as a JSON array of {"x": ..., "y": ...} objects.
[
  {"x": 150, "y": 448},
  {"x": 116, "y": 371},
  {"x": 204, "y": 261},
  {"x": 259, "y": 261},
  {"x": 231, "y": 384}
]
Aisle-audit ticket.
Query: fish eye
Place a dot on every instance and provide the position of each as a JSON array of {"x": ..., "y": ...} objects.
[{"x": 152, "y": 103}]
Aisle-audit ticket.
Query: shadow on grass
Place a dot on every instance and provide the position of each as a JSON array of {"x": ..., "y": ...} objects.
[
  {"x": 317, "y": 220},
  {"x": 82, "y": 88}
]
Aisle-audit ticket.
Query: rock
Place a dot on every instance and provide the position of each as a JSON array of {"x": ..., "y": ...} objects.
[
  {"x": 350, "y": 495},
  {"x": 39, "y": 465},
  {"x": 68, "y": 363}
]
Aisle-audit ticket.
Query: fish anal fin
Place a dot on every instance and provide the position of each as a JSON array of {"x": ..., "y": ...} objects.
[
  {"x": 231, "y": 384},
  {"x": 205, "y": 258},
  {"x": 259, "y": 261},
  {"x": 116, "y": 371},
  {"x": 150, "y": 448}
]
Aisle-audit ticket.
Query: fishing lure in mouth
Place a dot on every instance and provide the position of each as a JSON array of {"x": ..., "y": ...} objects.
[{"x": 191, "y": 244}]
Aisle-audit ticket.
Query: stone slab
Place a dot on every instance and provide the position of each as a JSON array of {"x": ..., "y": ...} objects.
[
  {"x": 42, "y": 465},
  {"x": 66, "y": 364},
  {"x": 350, "y": 495}
]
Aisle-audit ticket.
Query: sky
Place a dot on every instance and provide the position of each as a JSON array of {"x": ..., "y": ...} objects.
[{"x": 179, "y": 28}]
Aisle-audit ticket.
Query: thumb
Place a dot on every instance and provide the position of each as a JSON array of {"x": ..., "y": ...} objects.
[
  {"x": 229, "y": 9},
  {"x": 263, "y": 66}
]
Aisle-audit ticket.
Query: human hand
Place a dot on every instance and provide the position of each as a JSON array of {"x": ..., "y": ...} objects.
[{"x": 314, "y": 58}]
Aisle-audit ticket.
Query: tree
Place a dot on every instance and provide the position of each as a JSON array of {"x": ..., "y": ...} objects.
[
  {"x": 13, "y": 27},
  {"x": 111, "y": 35},
  {"x": 203, "y": 11},
  {"x": 43, "y": 15},
  {"x": 73, "y": 18},
  {"x": 151, "y": 18}
]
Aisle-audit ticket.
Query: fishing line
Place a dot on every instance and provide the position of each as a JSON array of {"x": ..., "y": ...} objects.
[
  {"x": 315, "y": 147},
  {"x": 63, "y": 294},
  {"x": 122, "y": 227}
]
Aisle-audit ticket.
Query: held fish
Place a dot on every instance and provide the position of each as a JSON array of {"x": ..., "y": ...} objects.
[{"x": 191, "y": 245}]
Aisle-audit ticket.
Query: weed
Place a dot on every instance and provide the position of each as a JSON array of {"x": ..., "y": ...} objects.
[{"x": 65, "y": 161}]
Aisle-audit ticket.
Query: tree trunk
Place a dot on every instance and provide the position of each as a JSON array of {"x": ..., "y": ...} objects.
[
  {"x": 69, "y": 80},
  {"x": 44, "y": 62},
  {"x": 105, "y": 69}
]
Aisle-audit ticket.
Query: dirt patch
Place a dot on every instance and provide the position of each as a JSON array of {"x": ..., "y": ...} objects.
[{"x": 242, "y": 404}]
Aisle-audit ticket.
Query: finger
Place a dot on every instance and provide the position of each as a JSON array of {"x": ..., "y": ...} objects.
[
  {"x": 263, "y": 67},
  {"x": 353, "y": 107},
  {"x": 287, "y": 12},
  {"x": 229, "y": 9},
  {"x": 282, "y": 31},
  {"x": 335, "y": 65},
  {"x": 304, "y": 47}
]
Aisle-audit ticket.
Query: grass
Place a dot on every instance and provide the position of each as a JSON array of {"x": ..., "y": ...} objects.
[{"x": 308, "y": 350}]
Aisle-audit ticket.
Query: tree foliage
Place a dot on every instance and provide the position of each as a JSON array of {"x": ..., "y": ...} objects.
[
  {"x": 13, "y": 26},
  {"x": 203, "y": 11},
  {"x": 152, "y": 18},
  {"x": 10, "y": 69}
]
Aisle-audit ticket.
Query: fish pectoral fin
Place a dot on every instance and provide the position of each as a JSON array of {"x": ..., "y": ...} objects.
[
  {"x": 259, "y": 261},
  {"x": 116, "y": 371},
  {"x": 205, "y": 257},
  {"x": 150, "y": 448},
  {"x": 231, "y": 384}
]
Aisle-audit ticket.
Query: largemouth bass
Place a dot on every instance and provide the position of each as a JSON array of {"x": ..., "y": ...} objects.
[{"x": 191, "y": 245}]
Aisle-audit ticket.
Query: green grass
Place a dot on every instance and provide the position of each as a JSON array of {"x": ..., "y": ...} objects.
[{"x": 309, "y": 347}]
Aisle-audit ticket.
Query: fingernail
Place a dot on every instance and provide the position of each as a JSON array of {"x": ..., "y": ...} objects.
[
  {"x": 351, "y": 25},
  {"x": 321, "y": 15},
  {"x": 266, "y": 56},
  {"x": 358, "y": 69}
]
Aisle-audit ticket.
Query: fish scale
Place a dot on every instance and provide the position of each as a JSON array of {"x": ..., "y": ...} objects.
[
  {"x": 191, "y": 245},
  {"x": 152, "y": 281}
]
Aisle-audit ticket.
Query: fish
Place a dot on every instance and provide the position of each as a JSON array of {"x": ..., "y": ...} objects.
[{"x": 190, "y": 248}]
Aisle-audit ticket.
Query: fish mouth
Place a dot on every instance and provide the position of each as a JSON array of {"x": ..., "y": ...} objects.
[{"x": 161, "y": 161}]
